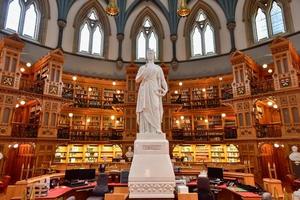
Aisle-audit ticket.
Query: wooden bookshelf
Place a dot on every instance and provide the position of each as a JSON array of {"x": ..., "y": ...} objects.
[
  {"x": 34, "y": 114},
  {"x": 219, "y": 153},
  {"x": 94, "y": 97},
  {"x": 61, "y": 153},
  {"x": 87, "y": 153},
  {"x": 202, "y": 153},
  {"x": 233, "y": 154},
  {"x": 68, "y": 91}
]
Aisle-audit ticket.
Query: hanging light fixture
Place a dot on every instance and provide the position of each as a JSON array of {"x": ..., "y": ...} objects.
[
  {"x": 183, "y": 10},
  {"x": 112, "y": 8}
]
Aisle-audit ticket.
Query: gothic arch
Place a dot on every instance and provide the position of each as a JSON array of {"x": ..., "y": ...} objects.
[
  {"x": 44, "y": 10},
  {"x": 250, "y": 9},
  {"x": 81, "y": 15},
  {"x": 147, "y": 12},
  {"x": 213, "y": 18}
]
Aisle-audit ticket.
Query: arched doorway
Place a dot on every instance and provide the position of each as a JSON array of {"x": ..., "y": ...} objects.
[
  {"x": 20, "y": 158},
  {"x": 267, "y": 118},
  {"x": 273, "y": 154},
  {"x": 26, "y": 118}
]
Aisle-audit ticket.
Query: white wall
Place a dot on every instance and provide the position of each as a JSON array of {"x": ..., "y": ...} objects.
[
  {"x": 295, "y": 9},
  {"x": 127, "y": 43},
  {"x": 69, "y": 32},
  {"x": 240, "y": 30},
  {"x": 52, "y": 29}
]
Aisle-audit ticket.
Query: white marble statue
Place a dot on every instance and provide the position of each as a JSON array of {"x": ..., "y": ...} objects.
[
  {"x": 153, "y": 87},
  {"x": 295, "y": 155},
  {"x": 129, "y": 153}
]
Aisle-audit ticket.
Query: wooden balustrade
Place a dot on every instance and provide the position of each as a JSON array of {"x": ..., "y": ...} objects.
[
  {"x": 260, "y": 87},
  {"x": 24, "y": 130},
  {"x": 28, "y": 85},
  {"x": 89, "y": 135},
  {"x": 268, "y": 130}
]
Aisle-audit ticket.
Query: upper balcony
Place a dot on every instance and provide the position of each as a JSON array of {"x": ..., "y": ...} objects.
[
  {"x": 205, "y": 134},
  {"x": 268, "y": 130},
  {"x": 261, "y": 87},
  {"x": 32, "y": 86},
  {"x": 24, "y": 130},
  {"x": 89, "y": 135}
]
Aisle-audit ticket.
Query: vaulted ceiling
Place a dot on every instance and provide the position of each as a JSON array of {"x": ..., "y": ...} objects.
[{"x": 170, "y": 12}]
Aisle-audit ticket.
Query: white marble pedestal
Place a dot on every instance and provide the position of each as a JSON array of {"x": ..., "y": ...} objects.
[{"x": 151, "y": 174}]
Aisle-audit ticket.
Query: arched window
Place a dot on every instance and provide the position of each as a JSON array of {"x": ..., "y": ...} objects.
[
  {"x": 146, "y": 39},
  {"x": 91, "y": 35},
  {"x": 266, "y": 19},
  {"x": 202, "y": 36},
  {"x": 23, "y": 17}
]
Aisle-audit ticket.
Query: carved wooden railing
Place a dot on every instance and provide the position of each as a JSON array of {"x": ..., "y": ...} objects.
[
  {"x": 89, "y": 135},
  {"x": 268, "y": 130},
  {"x": 24, "y": 130}
]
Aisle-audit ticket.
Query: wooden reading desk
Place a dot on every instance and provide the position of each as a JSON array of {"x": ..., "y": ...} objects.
[{"x": 231, "y": 193}]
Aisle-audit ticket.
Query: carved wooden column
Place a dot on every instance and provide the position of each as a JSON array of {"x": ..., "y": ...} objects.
[
  {"x": 10, "y": 75},
  {"x": 130, "y": 102},
  {"x": 286, "y": 79},
  {"x": 244, "y": 71},
  {"x": 48, "y": 73}
]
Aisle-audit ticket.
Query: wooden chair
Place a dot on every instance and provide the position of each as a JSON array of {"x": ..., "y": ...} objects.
[
  {"x": 122, "y": 190},
  {"x": 115, "y": 196},
  {"x": 4, "y": 183},
  {"x": 188, "y": 196}
]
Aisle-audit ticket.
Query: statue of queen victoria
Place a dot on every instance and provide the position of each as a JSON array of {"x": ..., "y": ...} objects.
[{"x": 153, "y": 87}]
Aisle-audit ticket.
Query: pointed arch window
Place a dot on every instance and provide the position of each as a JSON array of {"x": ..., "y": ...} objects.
[
  {"x": 23, "y": 17},
  {"x": 146, "y": 39},
  {"x": 91, "y": 35},
  {"x": 202, "y": 36},
  {"x": 268, "y": 20}
]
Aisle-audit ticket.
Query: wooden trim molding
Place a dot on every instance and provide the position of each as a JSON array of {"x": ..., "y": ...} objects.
[{"x": 81, "y": 15}]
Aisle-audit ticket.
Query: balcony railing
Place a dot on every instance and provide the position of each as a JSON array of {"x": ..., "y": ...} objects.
[
  {"x": 89, "y": 135},
  {"x": 32, "y": 86},
  {"x": 199, "y": 135},
  {"x": 260, "y": 87},
  {"x": 24, "y": 130},
  {"x": 227, "y": 94},
  {"x": 268, "y": 130}
]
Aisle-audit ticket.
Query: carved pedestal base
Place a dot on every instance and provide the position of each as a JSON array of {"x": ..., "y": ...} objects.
[{"x": 151, "y": 173}]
